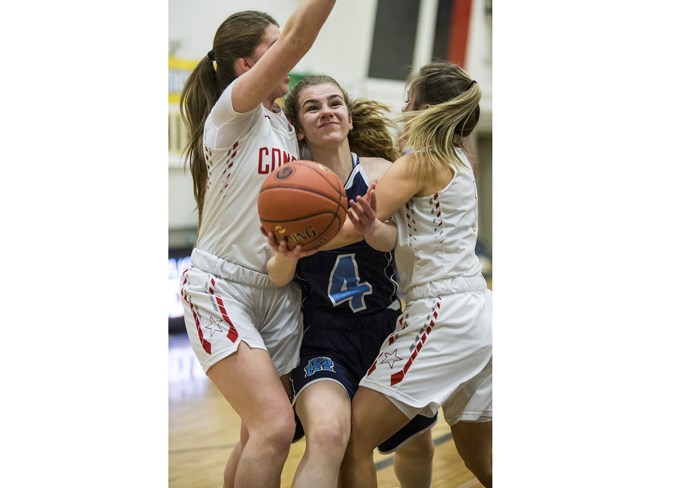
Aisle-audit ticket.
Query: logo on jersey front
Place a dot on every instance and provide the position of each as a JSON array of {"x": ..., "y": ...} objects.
[{"x": 316, "y": 365}]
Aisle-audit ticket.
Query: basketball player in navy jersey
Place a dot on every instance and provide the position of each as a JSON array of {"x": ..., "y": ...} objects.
[
  {"x": 350, "y": 301},
  {"x": 244, "y": 330}
]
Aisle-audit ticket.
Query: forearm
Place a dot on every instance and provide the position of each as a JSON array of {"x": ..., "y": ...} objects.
[
  {"x": 362, "y": 221},
  {"x": 384, "y": 236},
  {"x": 303, "y": 26},
  {"x": 296, "y": 39},
  {"x": 281, "y": 269},
  {"x": 346, "y": 236}
]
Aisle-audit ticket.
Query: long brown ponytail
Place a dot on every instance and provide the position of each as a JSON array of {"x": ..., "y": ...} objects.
[{"x": 236, "y": 37}]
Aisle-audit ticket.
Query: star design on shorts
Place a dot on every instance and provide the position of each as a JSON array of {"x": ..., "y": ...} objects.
[
  {"x": 391, "y": 358},
  {"x": 213, "y": 326}
]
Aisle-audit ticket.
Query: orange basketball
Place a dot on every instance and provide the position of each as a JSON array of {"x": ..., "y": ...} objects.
[{"x": 304, "y": 203}]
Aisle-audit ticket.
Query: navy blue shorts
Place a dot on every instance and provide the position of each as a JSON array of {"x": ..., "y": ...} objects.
[{"x": 342, "y": 349}]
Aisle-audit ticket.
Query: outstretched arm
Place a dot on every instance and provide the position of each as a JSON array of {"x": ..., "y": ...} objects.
[{"x": 296, "y": 39}]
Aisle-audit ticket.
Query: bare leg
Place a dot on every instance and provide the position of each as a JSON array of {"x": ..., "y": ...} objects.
[
  {"x": 324, "y": 410},
  {"x": 414, "y": 461},
  {"x": 234, "y": 459},
  {"x": 374, "y": 419},
  {"x": 250, "y": 384},
  {"x": 474, "y": 443}
]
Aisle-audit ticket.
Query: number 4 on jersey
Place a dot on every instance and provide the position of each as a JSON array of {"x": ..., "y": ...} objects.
[{"x": 344, "y": 283}]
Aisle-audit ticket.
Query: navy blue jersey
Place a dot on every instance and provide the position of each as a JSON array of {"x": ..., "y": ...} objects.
[{"x": 354, "y": 279}]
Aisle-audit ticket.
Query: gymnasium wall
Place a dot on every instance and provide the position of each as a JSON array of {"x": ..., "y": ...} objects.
[{"x": 409, "y": 33}]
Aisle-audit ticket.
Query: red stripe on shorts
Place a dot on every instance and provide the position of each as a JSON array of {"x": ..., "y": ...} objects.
[
  {"x": 399, "y": 376},
  {"x": 232, "y": 333},
  {"x": 373, "y": 367},
  {"x": 206, "y": 345}
]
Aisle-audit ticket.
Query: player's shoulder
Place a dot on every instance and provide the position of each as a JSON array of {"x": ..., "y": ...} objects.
[
  {"x": 409, "y": 158},
  {"x": 375, "y": 167},
  {"x": 223, "y": 112},
  {"x": 408, "y": 163}
]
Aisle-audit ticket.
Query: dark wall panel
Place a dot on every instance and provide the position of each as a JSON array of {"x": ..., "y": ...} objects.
[
  {"x": 442, "y": 28},
  {"x": 392, "y": 51}
]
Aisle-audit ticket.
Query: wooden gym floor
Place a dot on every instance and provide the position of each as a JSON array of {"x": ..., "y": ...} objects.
[{"x": 203, "y": 429}]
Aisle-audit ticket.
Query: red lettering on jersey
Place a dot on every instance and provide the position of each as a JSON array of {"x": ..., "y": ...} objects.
[
  {"x": 271, "y": 159},
  {"x": 263, "y": 170},
  {"x": 277, "y": 158}
]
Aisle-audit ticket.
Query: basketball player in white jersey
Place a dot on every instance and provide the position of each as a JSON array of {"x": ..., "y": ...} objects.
[
  {"x": 245, "y": 331},
  {"x": 440, "y": 355}
]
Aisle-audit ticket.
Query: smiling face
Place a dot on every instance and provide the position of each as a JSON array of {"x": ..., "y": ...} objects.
[{"x": 323, "y": 116}]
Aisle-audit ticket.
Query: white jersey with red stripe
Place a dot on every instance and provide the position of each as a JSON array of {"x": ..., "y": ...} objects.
[
  {"x": 240, "y": 151},
  {"x": 226, "y": 292},
  {"x": 437, "y": 234},
  {"x": 440, "y": 355}
]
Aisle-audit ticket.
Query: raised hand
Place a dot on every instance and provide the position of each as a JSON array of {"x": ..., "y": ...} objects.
[
  {"x": 362, "y": 213},
  {"x": 382, "y": 236}
]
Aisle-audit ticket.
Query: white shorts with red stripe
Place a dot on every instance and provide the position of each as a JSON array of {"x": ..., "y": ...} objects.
[
  {"x": 440, "y": 354},
  {"x": 225, "y": 303}
]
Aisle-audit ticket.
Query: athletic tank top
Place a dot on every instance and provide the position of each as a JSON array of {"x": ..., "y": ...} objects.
[
  {"x": 436, "y": 234},
  {"x": 350, "y": 280},
  {"x": 240, "y": 151}
]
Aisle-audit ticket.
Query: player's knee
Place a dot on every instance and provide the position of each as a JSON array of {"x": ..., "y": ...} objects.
[
  {"x": 328, "y": 436},
  {"x": 420, "y": 448},
  {"x": 278, "y": 434}
]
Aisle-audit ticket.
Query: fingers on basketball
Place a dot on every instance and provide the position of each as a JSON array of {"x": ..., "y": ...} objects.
[{"x": 303, "y": 203}]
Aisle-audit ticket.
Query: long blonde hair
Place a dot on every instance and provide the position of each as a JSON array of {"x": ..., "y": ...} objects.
[
  {"x": 454, "y": 111},
  {"x": 372, "y": 132}
]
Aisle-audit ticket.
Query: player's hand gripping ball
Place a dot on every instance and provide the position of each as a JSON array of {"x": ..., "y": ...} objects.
[{"x": 303, "y": 202}]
